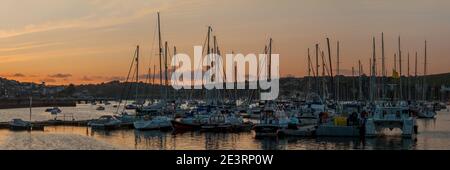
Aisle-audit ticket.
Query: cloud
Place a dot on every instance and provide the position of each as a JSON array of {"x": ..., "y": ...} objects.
[
  {"x": 18, "y": 75},
  {"x": 86, "y": 78},
  {"x": 89, "y": 21},
  {"x": 60, "y": 75},
  {"x": 115, "y": 78}
]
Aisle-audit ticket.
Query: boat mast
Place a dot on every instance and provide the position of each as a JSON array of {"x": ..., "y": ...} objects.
[
  {"x": 353, "y": 83},
  {"x": 309, "y": 74},
  {"x": 400, "y": 67},
  {"x": 360, "y": 95},
  {"x": 208, "y": 51},
  {"x": 317, "y": 68},
  {"x": 395, "y": 70},
  {"x": 331, "y": 65},
  {"x": 337, "y": 73},
  {"x": 153, "y": 76},
  {"x": 383, "y": 67},
  {"x": 166, "y": 83},
  {"x": 424, "y": 97},
  {"x": 160, "y": 56},
  {"x": 323, "y": 77},
  {"x": 137, "y": 73},
  {"x": 173, "y": 68},
  {"x": 373, "y": 73},
  {"x": 270, "y": 59},
  {"x": 407, "y": 83},
  {"x": 415, "y": 79}
]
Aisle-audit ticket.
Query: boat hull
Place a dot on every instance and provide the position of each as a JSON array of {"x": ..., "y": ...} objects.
[
  {"x": 19, "y": 128},
  {"x": 302, "y": 131},
  {"x": 185, "y": 126},
  {"x": 266, "y": 130},
  {"x": 149, "y": 125},
  {"x": 105, "y": 127}
]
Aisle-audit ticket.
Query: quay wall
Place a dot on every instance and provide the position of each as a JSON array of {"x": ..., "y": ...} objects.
[{"x": 25, "y": 103}]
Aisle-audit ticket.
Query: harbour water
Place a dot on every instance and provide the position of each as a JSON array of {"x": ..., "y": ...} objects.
[{"x": 433, "y": 134}]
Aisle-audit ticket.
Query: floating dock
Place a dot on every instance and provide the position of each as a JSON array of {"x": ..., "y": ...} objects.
[{"x": 5, "y": 125}]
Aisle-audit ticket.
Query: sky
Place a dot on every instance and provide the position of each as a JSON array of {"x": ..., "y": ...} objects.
[{"x": 92, "y": 41}]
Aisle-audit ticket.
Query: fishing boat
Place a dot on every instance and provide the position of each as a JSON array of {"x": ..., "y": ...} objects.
[{"x": 106, "y": 122}]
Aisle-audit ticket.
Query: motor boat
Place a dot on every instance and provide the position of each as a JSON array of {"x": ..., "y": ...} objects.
[
  {"x": 271, "y": 122},
  {"x": 19, "y": 124},
  {"x": 54, "y": 110},
  {"x": 131, "y": 107},
  {"x": 106, "y": 122},
  {"x": 223, "y": 121},
  {"x": 100, "y": 108},
  {"x": 153, "y": 123}
]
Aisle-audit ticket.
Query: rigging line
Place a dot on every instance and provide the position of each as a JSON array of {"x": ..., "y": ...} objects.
[
  {"x": 150, "y": 61},
  {"x": 129, "y": 91},
  {"x": 126, "y": 81}
]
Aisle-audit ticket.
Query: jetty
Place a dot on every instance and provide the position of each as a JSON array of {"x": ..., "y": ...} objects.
[{"x": 5, "y": 125}]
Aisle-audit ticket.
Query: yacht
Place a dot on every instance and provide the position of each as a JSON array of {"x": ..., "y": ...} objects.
[
  {"x": 106, "y": 122},
  {"x": 271, "y": 122},
  {"x": 152, "y": 118}
]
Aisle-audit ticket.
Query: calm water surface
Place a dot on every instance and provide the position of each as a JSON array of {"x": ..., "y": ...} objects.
[{"x": 433, "y": 134}]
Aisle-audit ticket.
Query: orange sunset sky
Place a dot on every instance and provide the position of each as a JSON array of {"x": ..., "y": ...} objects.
[{"x": 91, "y": 41}]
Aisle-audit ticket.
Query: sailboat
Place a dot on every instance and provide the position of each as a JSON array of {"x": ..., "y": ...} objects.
[{"x": 155, "y": 116}]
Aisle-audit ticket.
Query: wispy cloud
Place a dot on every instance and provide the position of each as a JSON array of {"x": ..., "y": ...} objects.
[
  {"x": 87, "y": 22},
  {"x": 18, "y": 75},
  {"x": 60, "y": 75}
]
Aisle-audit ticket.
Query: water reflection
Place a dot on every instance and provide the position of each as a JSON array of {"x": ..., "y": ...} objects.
[{"x": 433, "y": 134}]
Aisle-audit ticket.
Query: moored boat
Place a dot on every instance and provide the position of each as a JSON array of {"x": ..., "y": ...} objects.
[
  {"x": 106, "y": 122},
  {"x": 271, "y": 122},
  {"x": 19, "y": 124}
]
